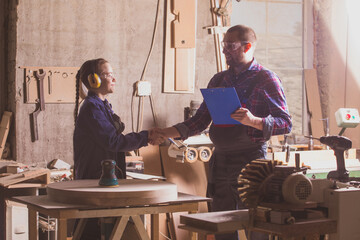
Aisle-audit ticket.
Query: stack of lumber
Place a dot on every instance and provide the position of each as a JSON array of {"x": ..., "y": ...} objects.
[{"x": 37, "y": 176}]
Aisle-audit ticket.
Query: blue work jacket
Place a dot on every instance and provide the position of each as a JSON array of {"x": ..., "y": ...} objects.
[{"x": 96, "y": 139}]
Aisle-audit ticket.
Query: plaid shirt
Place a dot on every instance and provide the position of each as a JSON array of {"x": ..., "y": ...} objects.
[{"x": 267, "y": 101}]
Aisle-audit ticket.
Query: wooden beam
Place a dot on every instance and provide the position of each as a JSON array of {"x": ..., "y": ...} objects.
[
  {"x": 179, "y": 62},
  {"x": 184, "y": 25},
  {"x": 314, "y": 102},
  {"x": 4, "y": 130}
]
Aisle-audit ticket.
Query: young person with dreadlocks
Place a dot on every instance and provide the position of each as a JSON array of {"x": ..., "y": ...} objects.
[{"x": 98, "y": 131}]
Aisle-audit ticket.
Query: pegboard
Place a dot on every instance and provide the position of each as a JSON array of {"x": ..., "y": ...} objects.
[{"x": 59, "y": 84}]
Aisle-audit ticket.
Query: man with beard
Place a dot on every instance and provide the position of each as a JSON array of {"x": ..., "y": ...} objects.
[{"x": 263, "y": 113}]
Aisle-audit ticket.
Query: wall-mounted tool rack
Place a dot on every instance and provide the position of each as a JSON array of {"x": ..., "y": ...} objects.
[{"x": 59, "y": 84}]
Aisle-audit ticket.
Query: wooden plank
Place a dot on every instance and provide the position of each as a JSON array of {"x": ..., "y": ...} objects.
[
  {"x": 42, "y": 175},
  {"x": 4, "y": 162},
  {"x": 62, "y": 229},
  {"x": 319, "y": 159},
  {"x": 182, "y": 72},
  {"x": 169, "y": 55},
  {"x": 352, "y": 78},
  {"x": 151, "y": 158},
  {"x": 129, "y": 192},
  {"x": 179, "y": 63},
  {"x": 229, "y": 221},
  {"x": 79, "y": 228},
  {"x": 184, "y": 24},
  {"x": 224, "y": 221},
  {"x": 155, "y": 226},
  {"x": 189, "y": 178},
  {"x": 4, "y": 129},
  {"x": 140, "y": 228},
  {"x": 314, "y": 103},
  {"x": 133, "y": 158},
  {"x": 300, "y": 228},
  {"x": 43, "y": 203},
  {"x": 13, "y": 168},
  {"x": 171, "y": 225},
  {"x": 27, "y": 185},
  {"x": 33, "y": 228},
  {"x": 119, "y": 227}
]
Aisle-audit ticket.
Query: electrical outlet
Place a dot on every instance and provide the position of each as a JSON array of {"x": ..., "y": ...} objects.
[{"x": 143, "y": 88}]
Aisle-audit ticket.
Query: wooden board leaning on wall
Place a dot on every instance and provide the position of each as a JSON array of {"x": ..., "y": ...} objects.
[
  {"x": 4, "y": 130},
  {"x": 179, "y": 56}
]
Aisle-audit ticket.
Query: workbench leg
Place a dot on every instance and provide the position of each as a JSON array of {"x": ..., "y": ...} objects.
[
  {"x": 155, "y": 229},
  {"x": 140, "y": 227},
  {"x": 193, "y": 235},
  {"x": 119, "y": 227},
  {"x": 62, "y": 229},
  {"x": 33, "y": 224},
  {"x": 202, "y": 236},
  {"x": 79, "y": 228},
  {"x": 171, "y": 225}
]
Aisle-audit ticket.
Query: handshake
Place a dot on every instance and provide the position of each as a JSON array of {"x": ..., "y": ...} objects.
[{"x": 159, "y": 135}]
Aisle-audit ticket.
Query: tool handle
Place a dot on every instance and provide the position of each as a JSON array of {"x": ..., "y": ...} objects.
[
  {"x": 41, "y": 93},
  {"x": 27, "y": 86},
  {"x": 340, "y": 161},
  {"x": 33, "y": 124},
  {"x": 40, "y": 87}
]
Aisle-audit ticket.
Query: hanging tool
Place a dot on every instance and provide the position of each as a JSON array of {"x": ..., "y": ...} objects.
[
  {"x": 27, "y": 86},
  {"x": 50, "y": 82},
  {"x": 40, "y": 104}
]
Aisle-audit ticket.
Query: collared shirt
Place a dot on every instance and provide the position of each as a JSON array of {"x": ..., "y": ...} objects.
[
  {"x": 266, "y": 101},
  {"x": 96, "y": 139}
]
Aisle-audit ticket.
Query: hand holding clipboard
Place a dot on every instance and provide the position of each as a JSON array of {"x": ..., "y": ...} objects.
[{"x": 221, "y": 103}]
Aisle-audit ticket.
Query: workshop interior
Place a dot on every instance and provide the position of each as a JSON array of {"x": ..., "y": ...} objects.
[{"x": 163, "y": 52}]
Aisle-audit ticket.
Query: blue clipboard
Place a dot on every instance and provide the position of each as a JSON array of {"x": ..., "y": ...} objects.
[{"x": 221, "y": 103}]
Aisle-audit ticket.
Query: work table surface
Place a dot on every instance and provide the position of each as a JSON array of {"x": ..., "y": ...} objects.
[{"x": 45, "y": 203}]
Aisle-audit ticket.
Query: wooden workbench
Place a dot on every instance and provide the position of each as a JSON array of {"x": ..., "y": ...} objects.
[
  {"x": 63, "y": 211},
  {"x": 25, "y": 183},
  {"x": 230, "y": 221}
]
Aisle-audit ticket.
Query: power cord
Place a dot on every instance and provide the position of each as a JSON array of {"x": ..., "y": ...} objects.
[
  {"x": 164, "y": 236},
  {"x": 141, "y": 98},
  {"x": 121, "y": 172}
]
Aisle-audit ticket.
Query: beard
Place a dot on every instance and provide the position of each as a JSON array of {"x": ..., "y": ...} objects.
[{"x": 229, "y": 60}]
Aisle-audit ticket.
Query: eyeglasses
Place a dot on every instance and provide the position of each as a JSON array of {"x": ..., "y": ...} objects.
[
  {"x": 233, "y": 45},
  {"x": 108, "y": 75}
]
